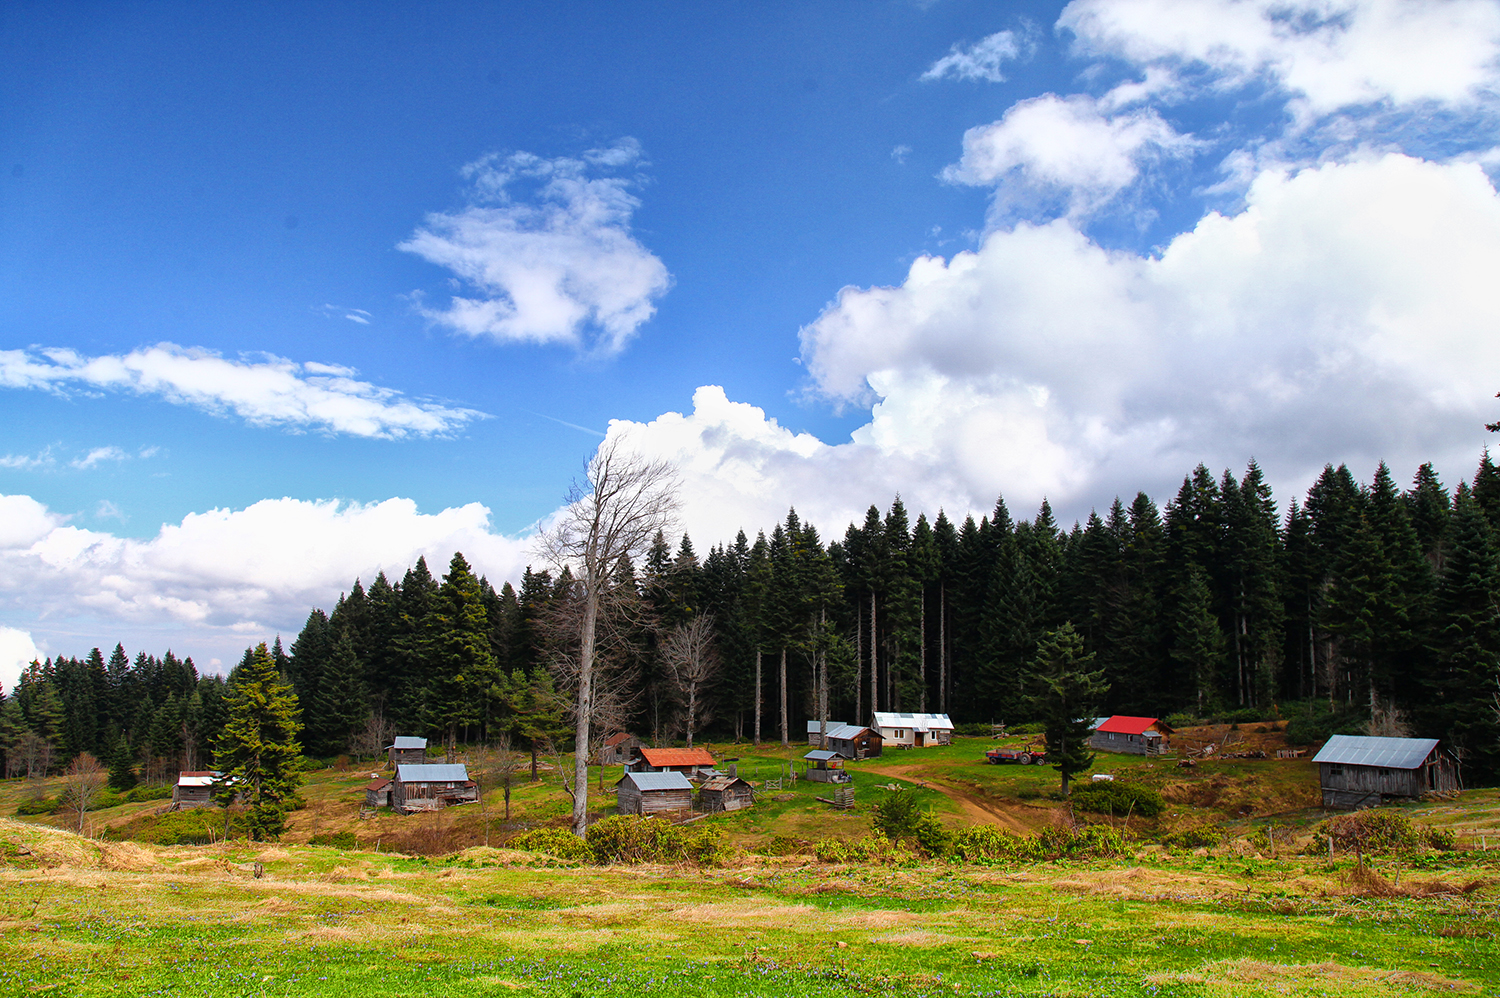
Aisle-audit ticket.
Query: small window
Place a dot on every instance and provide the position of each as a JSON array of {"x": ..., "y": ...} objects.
[{"x": 1335, "y": 770}]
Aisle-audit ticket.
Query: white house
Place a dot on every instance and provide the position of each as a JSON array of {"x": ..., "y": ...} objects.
[{"x": 913, "y": 730}]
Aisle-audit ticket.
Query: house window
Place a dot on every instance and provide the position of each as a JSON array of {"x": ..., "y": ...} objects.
[{"x": 1335, "y": 770}]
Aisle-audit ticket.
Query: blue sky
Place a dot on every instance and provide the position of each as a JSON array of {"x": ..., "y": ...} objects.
[{"x": 292, "y": 294}]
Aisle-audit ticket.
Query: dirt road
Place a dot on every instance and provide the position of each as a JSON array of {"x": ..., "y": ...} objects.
[{"x": 979, "y": 809}]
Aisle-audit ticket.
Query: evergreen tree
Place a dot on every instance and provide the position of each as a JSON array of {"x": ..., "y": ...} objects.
[
  {"x": 257, "y": 750},
  {"x": 1197, "y": 649},
  {"x": 121, "y": 771},
  {"x": 462, "y": 666},
  {"x": 1067, "y": 697}
]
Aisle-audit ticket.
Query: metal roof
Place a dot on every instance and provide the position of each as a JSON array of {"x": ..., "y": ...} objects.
[
  {"x": 433, "y": 773},
  {"x": 677, "y": 756},
  {"x": 195, "y": 781},
  {"x": 813, "y": 727},
  {"x": 848, "y": 732},
  {"x": 656, "y": 781},
  {"x": 407, "y": 741},
  {"x": 1123, "y": 724},
  {"x": 1368, "y": 750},
  {"x": 917, "y": 722},
  {"x": 721, "y": 782},
  {"x": 822, "y": 755}
]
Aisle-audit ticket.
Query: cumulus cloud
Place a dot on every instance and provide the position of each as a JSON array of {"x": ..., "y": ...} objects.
[
  {"x": 17, "y": 651},
  {"x": 220, "y": 579},
  {"x": 546, "y": 246},
  {"x": 1327, "y": 54},
  {"x": 980, "y": 61},
  {"x": 1068, "y": 145},
  {"x": 269, "y": 392}
]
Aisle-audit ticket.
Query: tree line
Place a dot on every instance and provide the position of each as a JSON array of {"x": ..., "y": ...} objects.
[{"x": 1376, "y": 606}]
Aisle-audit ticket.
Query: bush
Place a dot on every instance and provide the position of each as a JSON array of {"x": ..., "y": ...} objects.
[
  {"x": 557, "y": 842},
  {"x": 1118, "y": 799},
  {"x": 871, "y": 849},
  {"x": 339, "y": 840},
  {"x": 981, "y": 843},
  {"x": 1030, "y": 728},
  {"x": 1313, "y": 721},
  {"x": 782, "y": 845},
  {"x": 1200, "y": 837},
  {"x": 1183, "y": 720},
  {"x": 1379, "y": 830},
  {"x": 627, "y": 838},
  {"x": 144, "y": 793},
  {"x": 1094, "y": 840},
  {"x": 40, "y": 805}
]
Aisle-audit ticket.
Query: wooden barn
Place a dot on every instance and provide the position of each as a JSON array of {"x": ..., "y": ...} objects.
[
  {"x": 1131, "y": 735},
  {"x": 724, "y": 793},
  {"x": 195, "y": 788},
  {"x": 406, "y": 749},
  {"x": 907, "y": 730},
  {"x": 432, "y": 787},
  {"x": 690, "y": 762},
  {"x": 1357, "y": 771},
  {"x": 824, "y": 766},
  {"x": 619, "y": 748},
  {"x": 378, "y": 792},
  {"x": 653, "y": 793},
  {"x": 853, "y": 741},
  {"x": 814, "y": 730}
]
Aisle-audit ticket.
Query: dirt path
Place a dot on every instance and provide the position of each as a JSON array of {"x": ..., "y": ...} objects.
[{"x": 977, "y": 808}]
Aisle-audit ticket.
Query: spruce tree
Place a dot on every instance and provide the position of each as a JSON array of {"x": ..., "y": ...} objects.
[
  {"x": 121, "y": 769},
  {"x": 1067, "y": 694},
  {"x": 257, "y": 750},
  {"x": 462, "y": 665}
]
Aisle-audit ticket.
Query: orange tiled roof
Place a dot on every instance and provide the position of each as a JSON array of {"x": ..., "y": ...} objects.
[{"x": 677, "y": 756}]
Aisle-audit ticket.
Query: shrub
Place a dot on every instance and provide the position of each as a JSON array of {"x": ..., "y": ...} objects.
[
  {"x": 144, "y": 793},
  {"x": 557, "y": 842},
  {"x": 1193, "y": 838},
  {"x": 1183, "y": 720},
  {"x": 782, "y": 845},
  {"x": 1029, "y": 728},
  {"x": 627, "y": 838},
  {"x": 896, "y": 814},
  {"x": 871, "y": 849},
  {"x": 339, "y": 840},
  {"x": 1093, "y": 840},
  {"x": 1119, "y": 799},
  {"x": 981, "y": 843},
  {"x": 1379, "y": 830},
  {"x": 40, "y": 805}
]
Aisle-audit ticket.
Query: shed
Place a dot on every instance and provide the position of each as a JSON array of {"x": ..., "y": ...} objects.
[
  {"x": 907, "y": 730},
  {"x": 824, "y": 766},
  {"x": 1358, "y": 771},
  {"x": 432, "y": 787},
  {"x": 619, "y": 748},
  {"x": 405, "y": 748},
  {"x": 378, "y": 792},
  {"x": 725, "y": 793},
  {"x": 687, "y": 761},
  {"x": 1131, "y": 735},
  {"x": 814, "y": 729},
  {"x": 653, "y": 793},
  {"x": 195, "y": 788},
  {"x": 854, "y": 741}
]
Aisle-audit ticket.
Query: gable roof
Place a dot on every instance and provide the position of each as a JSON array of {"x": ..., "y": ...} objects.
[
  {"x": 1368, "y": 750},
  {"x": 813, "y": 727},
  {"x": 849, "y": 732},
  {"x": 917, "y": 722},
  {"x": 617, "y": 738},
  {"x": 822, "y": 755},
  {"x": 433, "y": 773},
  {"x": 656, "y": 781},
  {"x": 408, "y": 742},
  {"x": 1122, "y": 724},
  {"x": 721, "y": 782},
  {"x": 378, "y": 784},
  {"x": 677, "y": 756},
  {"x": 195, "y": 780}
]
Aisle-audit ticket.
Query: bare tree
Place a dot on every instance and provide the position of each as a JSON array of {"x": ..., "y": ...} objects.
[
  {"x": 372, "y": 739},
  {"x": 624, "y": 500},
  {"x": 81, "y": 784},
  {"x": 692, "y": 662},
  {"x": 492, "y": 766}
]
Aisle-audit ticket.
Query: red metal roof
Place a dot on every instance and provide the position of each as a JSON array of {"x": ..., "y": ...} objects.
[
  {"x": 677, "y": 757},
  {"x": 1122, "y": 725},
  {"x": 377, "y": 784},
  {"x": 617, "y": 738}
]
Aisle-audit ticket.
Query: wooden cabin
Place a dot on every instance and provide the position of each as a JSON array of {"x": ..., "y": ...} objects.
[
  {"x": 690, "y": 762},
  {"x": 378, "y": 792},
  {"x": 1131, "y": 735},
  {"x": 907, "y": 730},
  {"x": 824, "y": 766},
  {"x": 853, "y": 741},
  {"x": 195, "y": 788},
  {"x": 432, "y": 787},
  {"x": 725, "y": 793},
  {"x": 619, "y": 748},
  {"x": 814, "y": 729},
  {"x": 1358, "y": 771},
  {"x": 407, "y": 749},
  {"x": 653, "y": 793}
]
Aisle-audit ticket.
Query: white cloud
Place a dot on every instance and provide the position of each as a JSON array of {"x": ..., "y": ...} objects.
[
  {"x": 980, "y": 61},
  {"x": 28, "y": 462},
  {"x": 559, "y": 266},
  {"x": 17, "y": 651},
  {"x": 1066, "y": 144},
  {"x": 221, "y": 579},
  {"x": 269, "y": 392},
  {"x": 1327, "y": 54},
  {"x": 98, "y": 455}
]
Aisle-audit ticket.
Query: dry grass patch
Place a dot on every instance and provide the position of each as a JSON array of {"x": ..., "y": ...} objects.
[
  {"x": 1228, "y": 977},
  {"x": 1135, "y": 882}
]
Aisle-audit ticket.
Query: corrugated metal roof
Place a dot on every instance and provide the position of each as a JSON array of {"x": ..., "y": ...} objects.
[
  {"x": 432, "y": 773},
  {"x": 617, "y": 738},
  {"x": 917, "y": 722},
  {"x": 195, "y": 781},
  {"x": 813, "y": 727},
  {"x": 721, "y": 782},
  {"x": 656, "y": 781},
  {"x": 377, "y": 784},
  {"x": 1122, "y": 724},
  {"x": 1368, "y": 750},
  {"x": 848, "y": 732},
  {"x": 408, "y": 742},
  {"x": 677, "y": 756},
  {"x": 821, "y": 755}
]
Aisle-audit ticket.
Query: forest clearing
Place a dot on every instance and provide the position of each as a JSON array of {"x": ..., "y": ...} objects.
[{"x": 417, "y": 904}]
